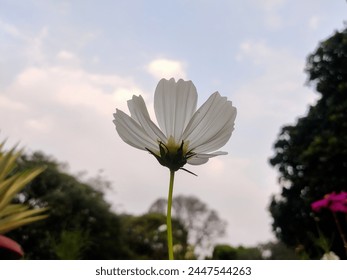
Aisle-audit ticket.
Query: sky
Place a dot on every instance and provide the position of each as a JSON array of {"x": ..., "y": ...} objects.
[{"x": 65, "y": 66}]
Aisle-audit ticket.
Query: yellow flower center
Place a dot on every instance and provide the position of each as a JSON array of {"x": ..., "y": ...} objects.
[{"x": 173, "y": 147}]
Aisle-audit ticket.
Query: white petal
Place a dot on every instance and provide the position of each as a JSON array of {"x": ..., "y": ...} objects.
[
  {"x": 197, "y": 160},
  {"x": 211, "y": 125},
  {"x": 174, "y": 105},
  {"x": 218, "y": 141},
  {"x": 203, "y": 158},
  {"x": 138, "y": 111},
  {"x": 132, "y": 133}
]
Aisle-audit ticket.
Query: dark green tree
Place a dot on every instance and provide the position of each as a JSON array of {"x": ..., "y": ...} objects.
[
  {"x": 75, "y": 209},
  {"x": 311, "y": 156},
  {"x": 146, "y": 237},
  {"x": 227, "y": 252}
]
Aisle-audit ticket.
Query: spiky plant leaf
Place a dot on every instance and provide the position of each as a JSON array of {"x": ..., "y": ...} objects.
[{"x": 11, "y": 183}]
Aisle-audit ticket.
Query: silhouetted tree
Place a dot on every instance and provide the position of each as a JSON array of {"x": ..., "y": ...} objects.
[{"x": 311, "y": 155}]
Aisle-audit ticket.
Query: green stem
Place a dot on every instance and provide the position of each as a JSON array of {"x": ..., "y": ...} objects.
[
  {"x": 339, "y": 228},
  {"x": 168, "y": 216}
]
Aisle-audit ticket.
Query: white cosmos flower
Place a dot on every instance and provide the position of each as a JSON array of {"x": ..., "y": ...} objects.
[
  {"x": 186, "y": 135},
  {"x": 330, "y": 256}
]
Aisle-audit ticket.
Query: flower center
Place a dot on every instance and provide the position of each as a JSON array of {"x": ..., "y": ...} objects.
[
  {"x": 173, "y": 147},
  {"x": 173, "y": 155}
]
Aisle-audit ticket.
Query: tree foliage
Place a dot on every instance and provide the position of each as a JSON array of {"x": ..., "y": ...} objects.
[
  {"x": 71, "y": 245},
  {"x": 227, "y": 252},
  {"x": 203, "y": 224},
  {"x": 146, "y": 236},
  {"x": 267, "y": 251},
  {"x": 73, "y": 207},
  {"x": 311, "y": 155}
]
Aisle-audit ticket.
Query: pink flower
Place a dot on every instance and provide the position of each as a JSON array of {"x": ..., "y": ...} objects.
[
  {"x": 319, "y": 204},
  {"x": 334, "y": 202}
]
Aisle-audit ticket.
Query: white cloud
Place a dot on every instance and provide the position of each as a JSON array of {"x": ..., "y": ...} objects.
[
  {"x": 122, "y": 94},
  {"x": 167, "y": 68},
  {"x": 66, "y": 55},
  {"x": 272, "y": 16},
  {"x": 39, "y": 125},
  {"x": 278, "y": 91},
  {"x": 34, "y": 50},
  {"x": 314, "y": 22},
  {"x": 271, "y": 5},
  {"x": 9, "y": 104},
  {"x": 64, "y": 110},
  {"x": 217, "y": 165},
  {"x": 31, "y": 77},
  {"x": 71, "y": 87},
  {"x": 10, "y": 29},
  {"x": 23, "y": 44}
]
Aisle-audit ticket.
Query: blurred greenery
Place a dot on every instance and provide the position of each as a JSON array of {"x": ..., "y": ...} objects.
[
  {"x": 146, "y": 236},
  {"x": 267, "y": 251},
  {"x": 74, "y": 207},
  {"x": 203, "y": 224},
  {"x": 277, "y": 250},
  {"x": 227, "y": 252},
  {"x": 71, "y": 245}
]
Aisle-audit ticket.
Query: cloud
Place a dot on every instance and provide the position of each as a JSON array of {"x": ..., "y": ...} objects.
[
  {"x": 314, "y": 22},
  {"x": 272, "y": 16},
  {"x": 46, "y": 106},
  {"x": 9, "y": 104},
  {"x": 10, "y": 29},
  {"x": 167, "y": 68},
  {"x": 39, "y": 125},
  {"x": 66, "y": 86},
  {"x": 66, "y": 55},
  {"x": 271, "y": 5},
  {"x": 281, "y": 75}
]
